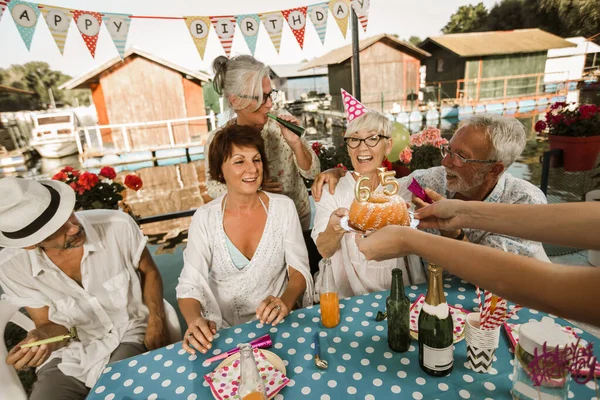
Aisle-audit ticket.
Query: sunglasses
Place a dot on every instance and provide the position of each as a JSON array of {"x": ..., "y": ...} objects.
[{"x": 272, "y": 95}]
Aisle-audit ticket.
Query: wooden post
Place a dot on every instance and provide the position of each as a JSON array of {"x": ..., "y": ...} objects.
[
  {"x": 355, "y": 56},
  {"x": 78, "y": 141},
  {"x": 171, "y": 137},
  {"x": 88, "y": 140},
  {"x": 440, "y": 93},
  {"x": 537, "y": 85},
  {"x": 479, "y": 72},
  {"x": 125, "y": 139},
  {"x": 99, "y": 137},
  {"x": 505, "y": 88}
]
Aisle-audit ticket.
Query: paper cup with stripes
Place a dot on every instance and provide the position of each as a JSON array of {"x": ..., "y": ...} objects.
[{"x": 481, "y": 344}]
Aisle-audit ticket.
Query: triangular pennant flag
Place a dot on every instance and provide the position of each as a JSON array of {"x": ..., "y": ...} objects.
[
  {"x": 361, "y": 8},
  {"x": 199, "y": 29},
  {"x": 296, "y": 19},
  {"x": 353, "y": 107},
  {"x": 88, "y": 23},
  {"x": 25, "y": 15},
  {"x": 3, "y": 4},
  {"x": 225, "y": 28},
  {"x": 118, "y": 28},
  {"x": 340, "y": 9},
  {"x": 318, "y": 16},
  {"x": 273, "y": 23},
  {"x": 249, "y": 25},
  {"x": 58, "y": 20}
]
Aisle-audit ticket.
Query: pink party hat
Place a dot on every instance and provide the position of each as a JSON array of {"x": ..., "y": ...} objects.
[{"x": 354, "y": 108}]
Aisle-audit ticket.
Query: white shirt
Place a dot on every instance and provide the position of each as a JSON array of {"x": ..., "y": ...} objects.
[
  {"x": 230, "y": 296},
  {"x": 107, "y": 310},
  {"x": 353, "y": 274},
  {"x": 508, "y": 190}
]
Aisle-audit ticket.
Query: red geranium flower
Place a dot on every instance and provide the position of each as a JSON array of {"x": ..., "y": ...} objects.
[
  {"x": 540, "y": 126},
  {"x": 386, "y": 164},
  {"x": 87, "y": 180},
  {"x": 133, "y": 182},
  {"x": 60, "y": 176},
  {"x": 108, "y": 172},
  {"x": 317, "y": 148},
  {"x": 68, "y": 169}
]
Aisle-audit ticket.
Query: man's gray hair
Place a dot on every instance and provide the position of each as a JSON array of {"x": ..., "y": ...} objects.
[
  {"x": 507, "y": 135},
  {"x": 370, "y": 121},
  {"x": 240, "y": 76}
]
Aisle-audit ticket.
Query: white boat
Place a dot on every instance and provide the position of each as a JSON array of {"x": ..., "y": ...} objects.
[{"x": 53, "y": 135}]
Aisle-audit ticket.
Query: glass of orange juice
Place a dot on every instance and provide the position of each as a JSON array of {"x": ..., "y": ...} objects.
[{"x": 330, "y": 302}]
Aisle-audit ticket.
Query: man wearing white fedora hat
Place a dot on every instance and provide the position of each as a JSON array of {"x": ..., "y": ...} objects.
[{"x": 88, "y": 270}]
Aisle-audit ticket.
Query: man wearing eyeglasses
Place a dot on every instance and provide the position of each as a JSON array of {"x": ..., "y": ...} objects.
[{"x": 474, "y": 168}]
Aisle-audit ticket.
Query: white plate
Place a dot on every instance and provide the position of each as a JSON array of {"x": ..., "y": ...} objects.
[{"x": 269, "y": 355}]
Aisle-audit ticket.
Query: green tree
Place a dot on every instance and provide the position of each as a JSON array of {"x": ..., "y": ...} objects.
[
  {"x": 415, "y": 40},
  {"x": 470, "y": 18},
  {"x": 37, "y": 77}
]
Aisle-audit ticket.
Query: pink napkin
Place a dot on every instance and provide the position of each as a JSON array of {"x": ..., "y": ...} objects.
[
  {"x": 459, "y": 317},
  {"x": 225, "y": 381},
  {"x": 512, "y": 331}
]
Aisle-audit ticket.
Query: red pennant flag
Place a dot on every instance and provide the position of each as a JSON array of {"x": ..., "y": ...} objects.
[
  {"x": 88, "y": 23},
  {"x": 225, "y": 28},
  {"x": 296, "y": 19}
]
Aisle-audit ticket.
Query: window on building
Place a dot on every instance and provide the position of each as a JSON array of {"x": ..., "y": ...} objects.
[{"x": 439, "y": 65}]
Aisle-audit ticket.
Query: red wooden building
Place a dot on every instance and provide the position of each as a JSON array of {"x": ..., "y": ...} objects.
[
  {"x": 144, "y": 88},
  {"x": 389, "y": 71}
]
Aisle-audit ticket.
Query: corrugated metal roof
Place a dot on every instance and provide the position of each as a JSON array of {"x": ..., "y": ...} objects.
[
  {"x": 499, "y": 42},
  {"x": 343, "y": 53},
  {"x": 79, "y": 82},
  {"x": 293, "y": 70}
]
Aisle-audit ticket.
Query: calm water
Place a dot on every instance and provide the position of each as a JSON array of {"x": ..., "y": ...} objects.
[{"x": 179, "y": 187}]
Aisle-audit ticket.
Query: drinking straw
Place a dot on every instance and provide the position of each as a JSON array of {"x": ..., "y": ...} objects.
[{"x": 262, "y": 342}]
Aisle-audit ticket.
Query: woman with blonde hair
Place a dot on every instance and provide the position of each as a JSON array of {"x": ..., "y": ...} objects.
[
  {"x": 248, "y": 95},
  {"x": 368, "y": 138}
]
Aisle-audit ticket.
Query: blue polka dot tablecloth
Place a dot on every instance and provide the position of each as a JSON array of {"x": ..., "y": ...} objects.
[{"x": 361, "y": 365}]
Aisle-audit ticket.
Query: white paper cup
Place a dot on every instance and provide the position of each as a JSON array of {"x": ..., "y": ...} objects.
[{"x": 481, "y": 344}]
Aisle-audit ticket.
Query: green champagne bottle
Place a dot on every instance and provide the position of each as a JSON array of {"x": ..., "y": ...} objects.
[
  {"x": 398, "y": 310},
  {"x": 436, "y": 349},
  {"x": 298, "y": 130}
]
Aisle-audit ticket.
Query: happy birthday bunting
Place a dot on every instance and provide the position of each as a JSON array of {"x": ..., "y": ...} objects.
[
  {"x": 25, "y": 15},
  {"x": 88, "y": 23},
  {"x": 2, "y": 8},
  {"x": 361, "y": 8},
  {"x": 318, "y": 16},
  {"x": 199, "y": 28},
  {"x": 58, "y": 20},
  {"x": 340, "y": 9},
  {"x": 273, "y": 23},
  {"x": 249, "y": 25},
  {"x": 296, "y": 19},
  {"x": 118, "y": 28},
  {"x": 225, "y": 28}
]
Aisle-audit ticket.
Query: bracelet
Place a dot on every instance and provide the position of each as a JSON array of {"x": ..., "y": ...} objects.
[{"x": 461, "y": 235}]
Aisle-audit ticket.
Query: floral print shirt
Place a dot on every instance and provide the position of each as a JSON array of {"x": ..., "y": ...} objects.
[
  {"x": 508, "y": 190},
  {"x": 283, "y": 167}
]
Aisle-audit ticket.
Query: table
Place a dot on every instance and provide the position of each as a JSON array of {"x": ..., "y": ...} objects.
[{"x": 361, "y": 365}]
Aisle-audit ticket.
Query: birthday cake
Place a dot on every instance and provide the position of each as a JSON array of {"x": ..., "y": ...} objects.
[{"x": 378, "y": 211}]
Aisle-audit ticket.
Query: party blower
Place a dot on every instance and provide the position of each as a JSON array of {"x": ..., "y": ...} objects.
[
  {"x": 263, "y": 342},
  {"x": 298, "y": 130},
  {"x": 71, "y": 335}
]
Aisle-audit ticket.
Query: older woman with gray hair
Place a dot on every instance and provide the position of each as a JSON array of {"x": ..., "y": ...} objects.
[
  {"x": 474, "y": 168},
  {"x": 248, "y": 96}
]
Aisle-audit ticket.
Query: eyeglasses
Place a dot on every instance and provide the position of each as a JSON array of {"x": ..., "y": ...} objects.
[
  {"x": 272, "y": 94},
  {"x": 371, "y": 141},
  {"x": 459, "y": 160}
]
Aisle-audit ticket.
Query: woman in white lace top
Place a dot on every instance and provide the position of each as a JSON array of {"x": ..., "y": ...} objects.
[
  {"x": 246, "y": 257},
  {"x": 248, "y": 96}
]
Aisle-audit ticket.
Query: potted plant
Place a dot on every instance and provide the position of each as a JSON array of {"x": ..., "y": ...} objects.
[
  {"x": 575, "y": 130},
  {"x": 424, "y": 150},
  {"x": 94, "y": 191},
  {"x": 594, "y": 195}
]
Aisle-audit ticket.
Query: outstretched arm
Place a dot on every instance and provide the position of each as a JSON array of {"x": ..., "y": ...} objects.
[{"x": 567, "y": 224}]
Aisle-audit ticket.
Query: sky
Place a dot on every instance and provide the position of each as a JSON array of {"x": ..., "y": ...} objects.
[{"x": 171, "y": 41}]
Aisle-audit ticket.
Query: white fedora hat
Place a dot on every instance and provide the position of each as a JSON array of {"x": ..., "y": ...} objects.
[{"x": 30, "y": 211}]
